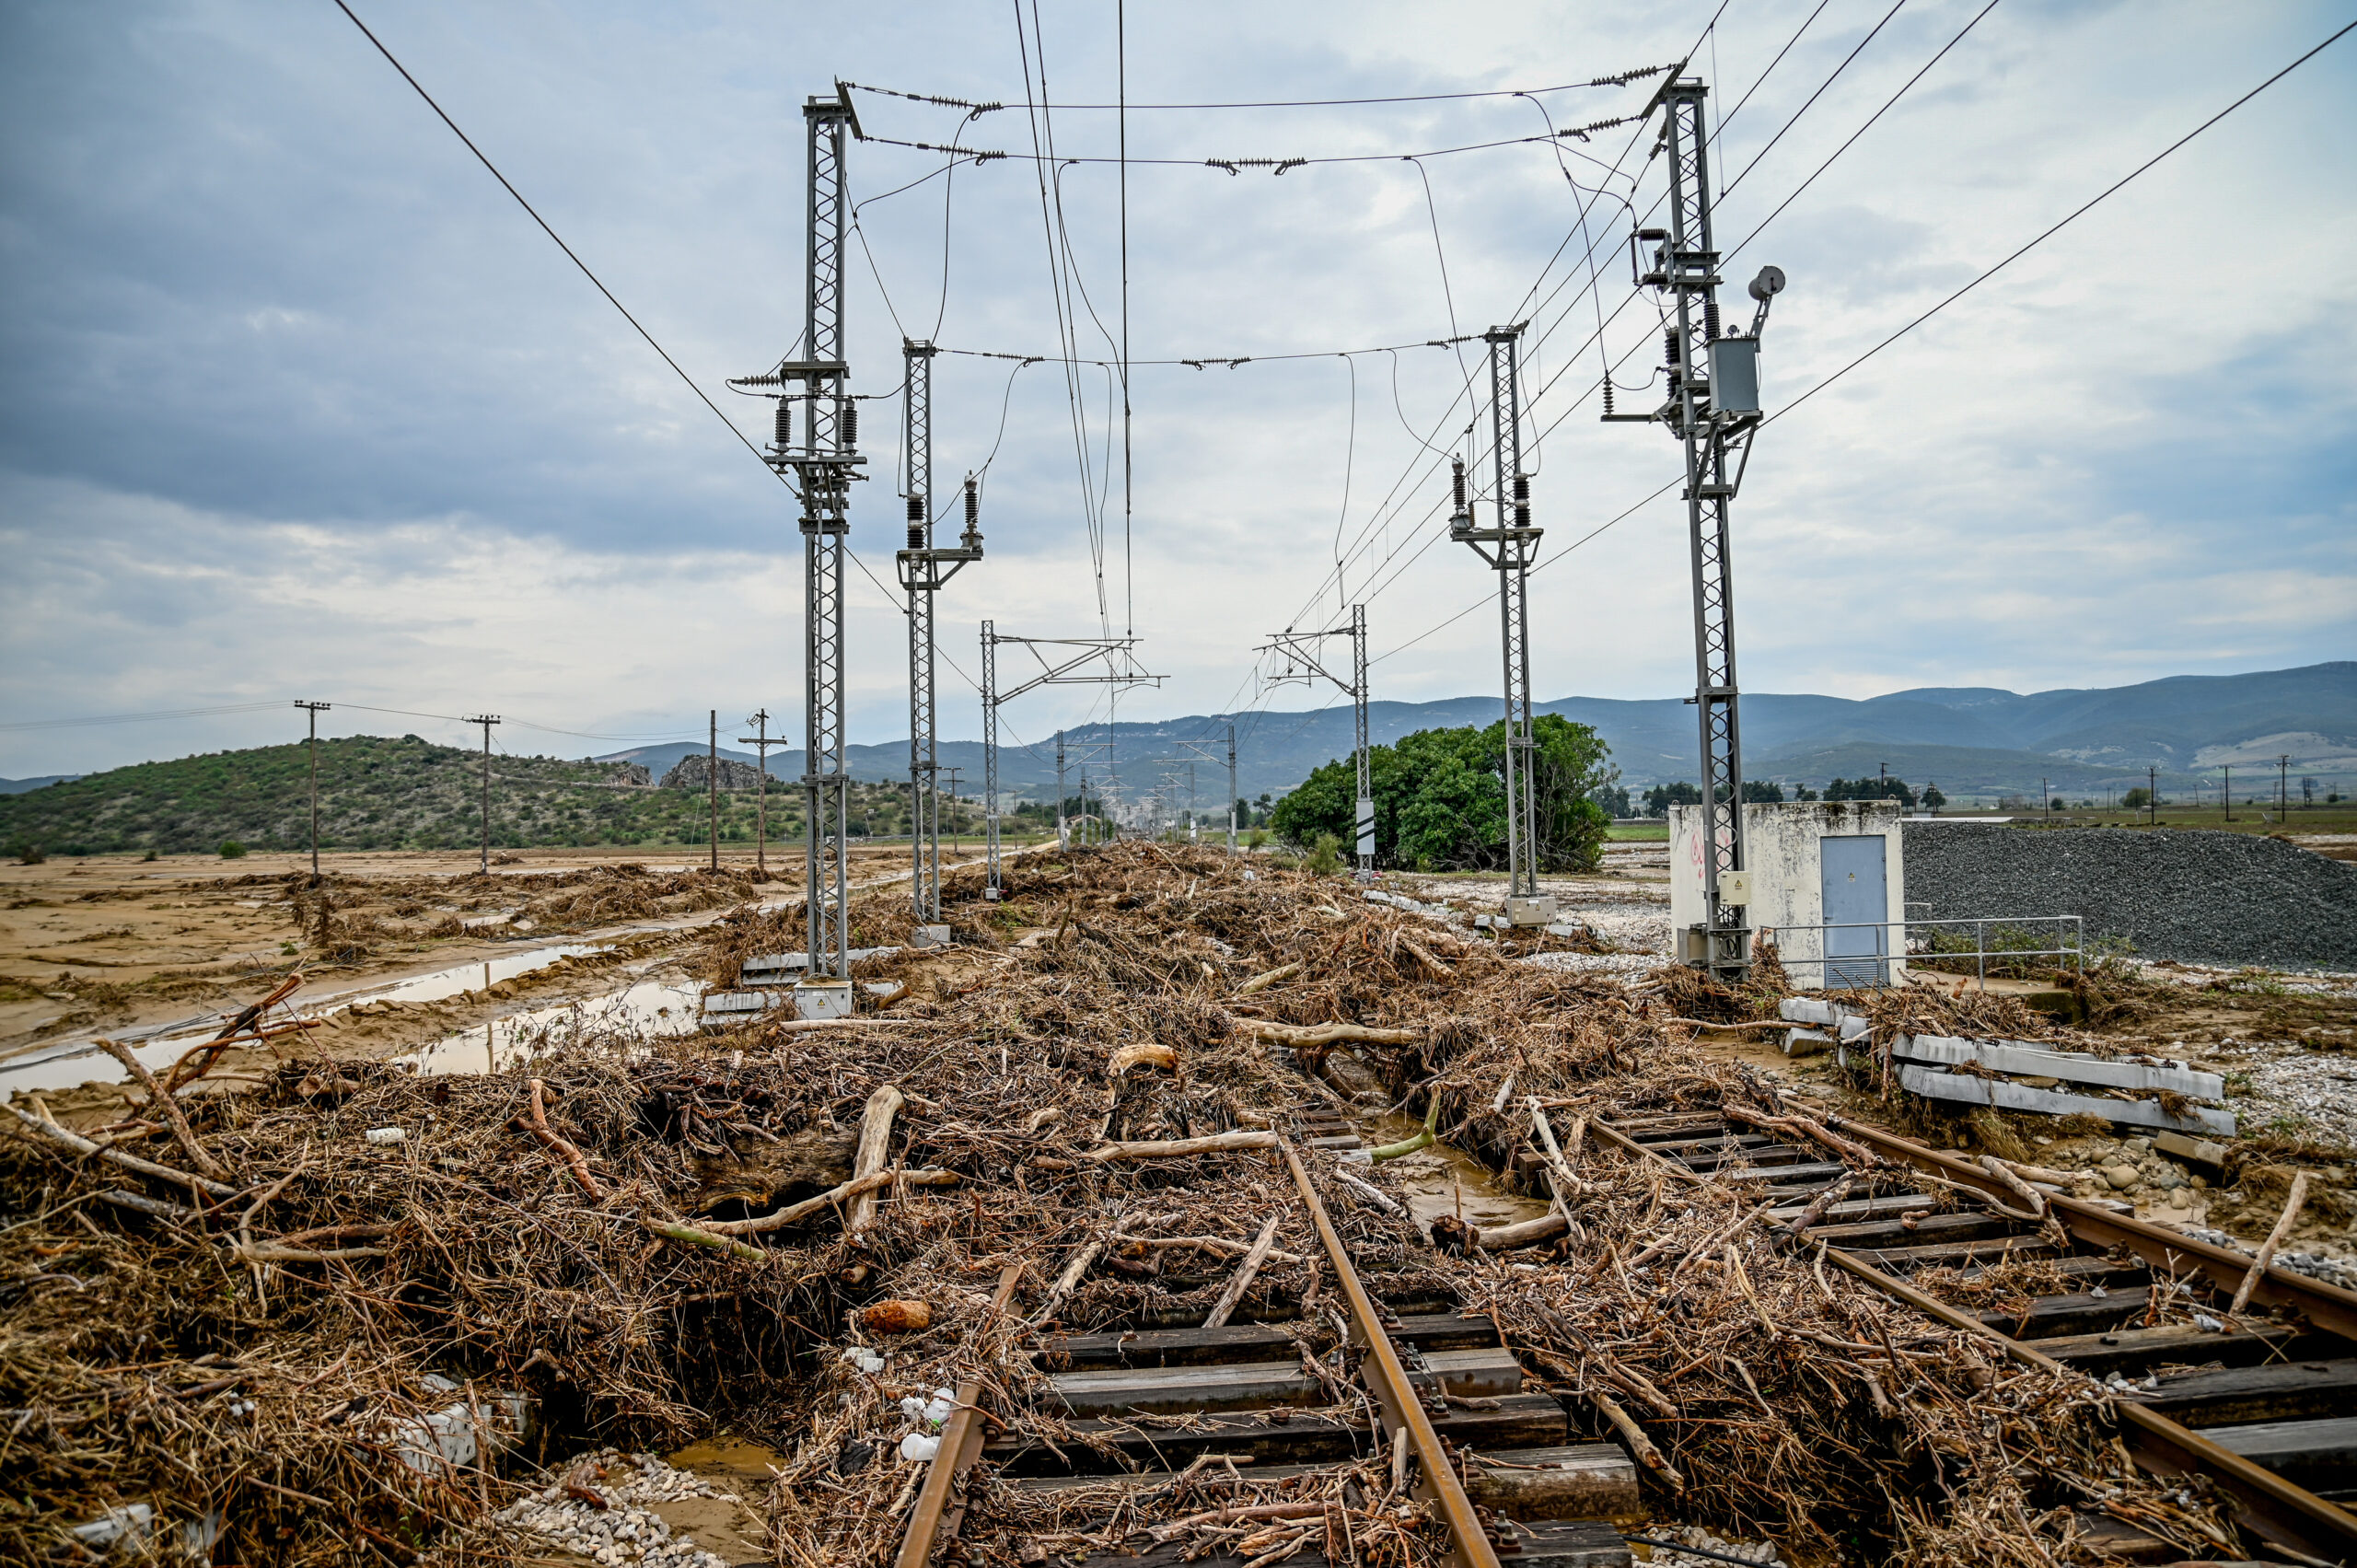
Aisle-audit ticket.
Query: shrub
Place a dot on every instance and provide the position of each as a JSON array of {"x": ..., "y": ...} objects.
[
  {"x": 149, "y": 855},
  {"x": 27, "y": 853},
  {"x": 1324, "y": 860},
  {"x": 232, "y": 850}
]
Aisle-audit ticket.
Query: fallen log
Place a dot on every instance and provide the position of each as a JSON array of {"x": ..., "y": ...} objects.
[
  {"x": 1245, "y": 1273},
  {"x": 263, "y": 1253},
  {"x": 140, "y": 1203},
  {"x": 1634, "y": 1436},
  {"x": 1221, "y": 1245},
  {"x": 1424, "y": 1137},
  {"x": 1529, "y": 1233},
  {"x": 562, "y": 1149},
  {"x": 858, "y": 1187},
  {"x": 82, "y": 1145},
  {"x": 1262, "y": 982},
  {"x": 1159, "y": 1057},
  {"x": 693, "y": 1237},
  {"x": 1178, "y": 1148},
  {"x": 2014, "y": 1184},
  {"x": 2292, "y": 1207},
  {"x": 197, "y": 1063},
  {"x": 197, "y": 1152},
  {"x": 1324, "y": 1034},
  {"x": 1372, "y": 1193},
  {"x": 1178, "y": 1528},
  {"x": 1437, "y": 966},
  {"x": 875, "y": 1136},
  {"x": 1807, "y": 1126}
]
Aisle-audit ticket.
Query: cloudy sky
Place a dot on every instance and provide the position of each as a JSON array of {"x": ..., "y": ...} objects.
[{"x": 295, "y": 401}]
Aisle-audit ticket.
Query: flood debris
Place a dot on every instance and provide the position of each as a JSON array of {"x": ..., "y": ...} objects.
[{"x": 839, "y": 1240}]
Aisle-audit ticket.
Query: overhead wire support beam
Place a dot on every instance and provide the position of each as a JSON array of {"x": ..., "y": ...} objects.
[
  {"x": 1713, "y": 409},
  {"x": 1300, "y": 658},
  {"x": 1061, "y": 661},
  {"x": 822, "y": 467},
  {"x": 923, "y": 570},
  {"x": 1509, "y": 547}
]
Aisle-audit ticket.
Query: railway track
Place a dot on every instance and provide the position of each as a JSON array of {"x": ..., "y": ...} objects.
[
  {"x": 1242, "y": 1418},
  {"x": 2263, "y": 1404},
  {"x": 1266, "y": 1438}
]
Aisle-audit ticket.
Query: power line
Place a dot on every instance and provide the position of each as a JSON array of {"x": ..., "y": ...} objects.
[
  {"x": 1804, "y": 109},
  {"x": 2075, "y": 214},
  {"x": 552, "y": 233},
  {"x": 979, "y": 109},
  {"x": 2049, "y": 233},
  {"x": 1235, "y": 165},
  {"x": 1862, "y": 130}
]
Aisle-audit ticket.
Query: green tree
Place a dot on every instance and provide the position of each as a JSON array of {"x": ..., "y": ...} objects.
[
  {"x": 1440, "y": 800},
  {"x": 1661, "y": 798}
]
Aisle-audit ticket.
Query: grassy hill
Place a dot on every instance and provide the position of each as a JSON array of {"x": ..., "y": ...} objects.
[{"x": 384, "y": 794}]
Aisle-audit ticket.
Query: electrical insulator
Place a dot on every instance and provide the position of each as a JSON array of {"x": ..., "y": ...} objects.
[
  {"x": 916, "y": 522},
  {"x": 1669, "y": 347},
  {"x": 973, "y": 539},
  {"x": 784, "y": 424},
  {"x": 1710, "y": 319},
  {"x": 851, "y": 424},
  {"x": 1522, "y": 500},
  {"x": 1607, "y": 391},
  {"x": 1457, "y": 481}
]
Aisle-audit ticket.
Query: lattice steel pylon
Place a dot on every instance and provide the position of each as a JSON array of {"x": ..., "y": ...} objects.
[
  {"x": 821, "y": 467},
  {"x": 1299, "y": 655},
  {"x": 1712, "y": 408},
  {"x": 1509, "y": 548},
  {"x": 1120, "y": 668},
  {"x": 923, "y": 570}
]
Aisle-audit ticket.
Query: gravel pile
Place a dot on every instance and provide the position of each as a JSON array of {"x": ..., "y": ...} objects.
[
  {"x": 626, "y": 1529},
  {"x": 2315, "y": 1265},
  {"x": 2203, "y": 897},
  {"x": 2288, "y": 1089}
]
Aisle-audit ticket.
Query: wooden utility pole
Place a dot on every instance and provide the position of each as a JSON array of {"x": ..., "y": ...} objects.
[
  {"x": 712, "y": 783},
  {"x": 2226, "y": 791},
  {"x": 2152, "y": 797},
  {"x": 315, "y": 709},
  {"x": 761, "y": 740},
  {"x": 486, "y": 720},
  {"x": 2282, "y": 790}
]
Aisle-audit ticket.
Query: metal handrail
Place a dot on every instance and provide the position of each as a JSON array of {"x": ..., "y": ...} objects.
[{"x": 1896, "y": 942}]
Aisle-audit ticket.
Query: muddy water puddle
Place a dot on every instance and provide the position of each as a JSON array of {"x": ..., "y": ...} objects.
[
  {"x": 1440, "y": 1179},
  {"x": 651, "y": 1008}
]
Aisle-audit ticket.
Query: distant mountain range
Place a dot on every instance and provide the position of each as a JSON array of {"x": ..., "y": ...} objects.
[
  {"x": 18, "y": 786},
  {"x": 1974, "y": 742}
]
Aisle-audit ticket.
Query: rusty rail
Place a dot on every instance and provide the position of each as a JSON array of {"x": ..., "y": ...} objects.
[
  {"x": 1387, "y": 1379},
  {"x": 2287, "y": 1517},
  {"x": 2328, "y": 1306}
]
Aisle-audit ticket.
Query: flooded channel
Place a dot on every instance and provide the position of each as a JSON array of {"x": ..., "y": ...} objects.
[{"x": 70, "y": 1064}]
